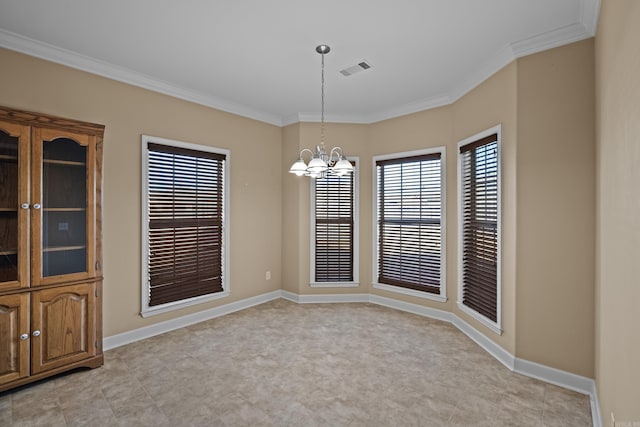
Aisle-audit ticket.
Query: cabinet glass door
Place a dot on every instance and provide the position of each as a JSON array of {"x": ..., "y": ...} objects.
[
  {"x": 14, "y": 206},
  {"x": 62, "y": 206}
]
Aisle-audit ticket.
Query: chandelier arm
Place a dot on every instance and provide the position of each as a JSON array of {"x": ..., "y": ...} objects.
[
  {"x": 339, "y": 154},
  {"x": 306, "y": 149}
]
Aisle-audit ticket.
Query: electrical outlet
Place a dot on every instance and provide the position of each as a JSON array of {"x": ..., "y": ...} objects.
[{"x": 268, "y": 275}]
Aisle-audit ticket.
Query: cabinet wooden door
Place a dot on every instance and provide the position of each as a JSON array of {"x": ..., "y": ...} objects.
[
  {"x": 14, "y": 336},
  {"x": 63, "y": 207},
  {"x": 63, "y": 326},
  {"x": 14, "y": 206}
]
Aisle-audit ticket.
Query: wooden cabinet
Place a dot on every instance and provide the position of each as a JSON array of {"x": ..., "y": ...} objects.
[
  {"x": 65, "y": 317},
  {"x": 14, "y": 332},
  {"x": 14, "y": 166},
  {"x": 50, "y": 246}
]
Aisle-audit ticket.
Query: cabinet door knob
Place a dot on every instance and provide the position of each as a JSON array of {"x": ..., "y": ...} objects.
[
  {"x": 36, "y": 206},
  {"x": 24, "y": 336},
  {"x": 25, "y": 206},
  {"x": 36, "y": 333}
]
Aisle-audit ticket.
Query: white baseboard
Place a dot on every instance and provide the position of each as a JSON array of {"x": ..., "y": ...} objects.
[
  {"x": 324, "y": 298},
  {"x": 553, "y": 376},
  {"x": 544, "y": 373},
  {"x": 289, "y": 296},
  {"x": 332, "y": 298},
  {"x": 596, "y": 416},
  {"x": 492, "y": 348},
  {"x": 531, "y": 369},
  {"x": 190, "y": 319},
  {"x": 563, "y": 379},
  {"x": 499, "y": 353},
  {"x": 420, "y": 310}
]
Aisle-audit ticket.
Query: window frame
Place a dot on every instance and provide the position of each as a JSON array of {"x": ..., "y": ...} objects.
[
  {"x": 442, "y": 296},
  {"x": 356, "y": 234},
  {"x": 145, "y": 309},
  {"x": 497, "y": 325}
]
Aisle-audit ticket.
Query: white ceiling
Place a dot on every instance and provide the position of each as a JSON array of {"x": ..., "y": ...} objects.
[{"x": 257, "y": 58}]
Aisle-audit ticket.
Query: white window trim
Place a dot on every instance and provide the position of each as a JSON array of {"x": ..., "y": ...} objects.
[
  {"x": 442, "y": 297},
  {"x": 356, "y": 234},
  {"x": 145, "y": 309},
  {"x": 493, "y": 326}
]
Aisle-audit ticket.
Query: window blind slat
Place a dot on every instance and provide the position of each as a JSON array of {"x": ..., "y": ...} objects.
[
  {"x": 334, "y": 227},
  {"x": 185, "y": 222},
  {"x": 480, "y": 225},
  {"x": 409, "y": 222}
]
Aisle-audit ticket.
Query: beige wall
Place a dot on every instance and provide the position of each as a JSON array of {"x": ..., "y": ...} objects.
[
  {"x": 545, "y": 104},
  {"x": 556, "y": 208},
  {"x": 296, "y": 223},
  {"x": 291, "y": 188},
  {"x": 426, "y": 129},
  {"x": 542, "y": 102},
  {"x": 127, "y": 112},
  {"x": 490, "y": 104},
  {"x": 618, "y": 210}
]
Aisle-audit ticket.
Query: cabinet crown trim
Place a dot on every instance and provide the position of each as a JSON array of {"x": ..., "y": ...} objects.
[{"x": 45, "y": 120}]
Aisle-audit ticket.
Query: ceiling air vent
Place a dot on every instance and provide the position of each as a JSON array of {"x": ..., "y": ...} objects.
[{"x": 360, "y": 66}]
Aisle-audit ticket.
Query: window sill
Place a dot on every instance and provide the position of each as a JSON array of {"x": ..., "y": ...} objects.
[
  {"x": 411, "y": 292},
  {"x": 480, "y": 318},
  {"x": 334, "y": 284},
  {"x": 172, "y": 306}
]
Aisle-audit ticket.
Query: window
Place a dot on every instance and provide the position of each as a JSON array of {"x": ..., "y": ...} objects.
[
  {"x": 184, "y": 227},
  {"x": 410, "y": 223},
  {"x": 334, "y": 231},
  {"x": 479, "y": 259}
]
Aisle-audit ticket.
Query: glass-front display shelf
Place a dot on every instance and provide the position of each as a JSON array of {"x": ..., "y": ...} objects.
[
  {"x": 64, "y": 207},
  {"x": 8, "y": 207}
]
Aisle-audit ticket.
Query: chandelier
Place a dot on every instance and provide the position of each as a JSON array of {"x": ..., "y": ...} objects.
[{"x": 321, "y": 163}]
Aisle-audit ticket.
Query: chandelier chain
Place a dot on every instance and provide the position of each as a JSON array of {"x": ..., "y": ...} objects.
[
  {"x": 322, "y": 104},
  {"x": 322, "y": 163}
]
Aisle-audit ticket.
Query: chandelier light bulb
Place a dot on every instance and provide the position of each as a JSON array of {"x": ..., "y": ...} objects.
[{"x": 299, "y": 167}]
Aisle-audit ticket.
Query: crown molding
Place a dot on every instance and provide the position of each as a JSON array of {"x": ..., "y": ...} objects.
[
  {"x": 585, "y": 28},
  {"x": 589, "y": 14},
  {"x": 410, "y": 108},
  {"x": 403, "y": 110},
  {"x": 46, "y": 51},
  {"x": 551, "y": 39},
  {"x": 494, "y": 64},
  {"x": 331, "y": 118},
  {"x": 554, "y": 38}
]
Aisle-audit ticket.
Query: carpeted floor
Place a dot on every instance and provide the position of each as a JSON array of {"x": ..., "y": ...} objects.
[{"x": 287, "y": 364}]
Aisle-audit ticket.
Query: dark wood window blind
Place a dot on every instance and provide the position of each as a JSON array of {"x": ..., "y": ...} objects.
[
  {"x": 185, "y": 196},
  {"x": 409, "y": 222},
  {"x": 479, "y": 164},
  {"x": 334, "y": 225}
]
